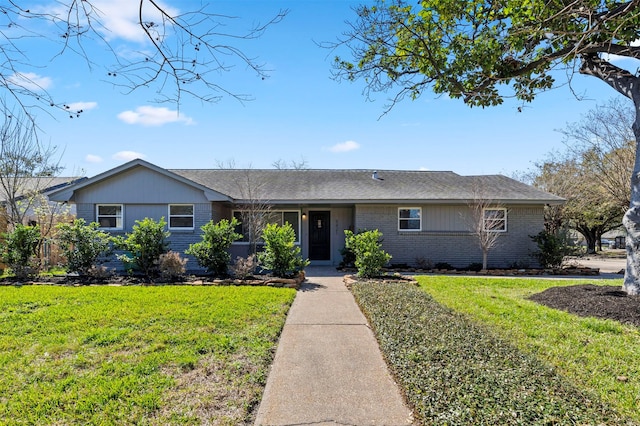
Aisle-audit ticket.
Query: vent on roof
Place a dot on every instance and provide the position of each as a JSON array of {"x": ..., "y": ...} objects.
[{"x": 375, "y": 176}]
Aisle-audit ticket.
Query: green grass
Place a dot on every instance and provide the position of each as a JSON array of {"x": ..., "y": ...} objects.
[
  {"x": 456, "y": 371},
  {"x": 136, "y": 355},
  {"x": 599, "y": 356}
]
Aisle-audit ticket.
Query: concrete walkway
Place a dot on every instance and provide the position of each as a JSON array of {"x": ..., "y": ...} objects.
[{"x": 328, "y": 369}]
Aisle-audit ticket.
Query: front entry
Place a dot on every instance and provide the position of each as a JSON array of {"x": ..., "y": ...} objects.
[{"x": 319, "y": 235}]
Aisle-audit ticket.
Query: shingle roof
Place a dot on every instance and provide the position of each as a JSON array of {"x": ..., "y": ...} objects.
[
  {"x": 43, "y": 185},
  {"x": 341, "y": 186}
]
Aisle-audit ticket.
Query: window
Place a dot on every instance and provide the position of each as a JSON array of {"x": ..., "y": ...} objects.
[
  {"x": 109, "y": 216},
  {"x": 181, "y": 216},
  {"x": 409, "y": 219},
  {"x": 495, "y": 220},
  {"x": 292, "y": 217}
]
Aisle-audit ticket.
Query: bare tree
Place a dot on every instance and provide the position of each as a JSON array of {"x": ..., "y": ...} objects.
[
  {"x": 27, "y": 167},
  {"x": 179, "y": 52},
  {"x": 605, "y": 142},
  {"x": 487, "y": 220},
  {"x": 253, "y": 208},
  {"x": 281, "y": 164}
]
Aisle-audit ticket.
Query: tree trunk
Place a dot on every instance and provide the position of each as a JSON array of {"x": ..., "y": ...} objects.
[
  {"x": 485, "y": 254},
  {"x": 631, "y": 219},
  {"x": 627, "y": 84},
  {"x": 589, "y": 237}
]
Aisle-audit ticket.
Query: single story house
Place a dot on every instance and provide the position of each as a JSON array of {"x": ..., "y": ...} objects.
[{"x": 423, "y": 215}]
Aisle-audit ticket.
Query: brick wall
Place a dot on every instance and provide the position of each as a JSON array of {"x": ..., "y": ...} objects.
[{"x": 448, "y": 241}]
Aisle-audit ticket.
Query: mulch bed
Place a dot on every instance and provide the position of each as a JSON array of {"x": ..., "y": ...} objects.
[{"x": 588, "y": 300}]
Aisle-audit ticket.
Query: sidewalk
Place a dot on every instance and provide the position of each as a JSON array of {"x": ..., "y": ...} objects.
[{"x": 328, "y": 369}]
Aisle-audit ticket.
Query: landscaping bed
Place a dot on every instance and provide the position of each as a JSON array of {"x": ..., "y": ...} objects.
[
  {"x": 569, "y": 270},
  {"x": 455, "y": 371},
  {"x": 196, "y": 280},
  {"x": 588, "y": 300}
]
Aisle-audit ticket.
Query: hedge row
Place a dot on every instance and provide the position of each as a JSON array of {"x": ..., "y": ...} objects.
[{"x": 456, "y": 372}]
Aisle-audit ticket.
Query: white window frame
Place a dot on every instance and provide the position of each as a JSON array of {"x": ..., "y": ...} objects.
[
  {"x": 192, "y": 216},
  {"x": 121, "y": 216},
  {"x": 282, "y": 212},
  {"x": 419, "y": 219},
  {"x": 485, "y": 219}
]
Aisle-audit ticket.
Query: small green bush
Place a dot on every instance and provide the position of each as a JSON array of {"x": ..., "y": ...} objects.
[
  {"x": 213, "y": 251},
  {"x": 552, "y": 248},
  {"x": 281, "y": 255},
  {"x": 83, "y": 245},
  {"x": 445, "y": 266},
  {"x": 367, "y": 248},
  {"x": 454, "y": 371},
  {"x": 19, "y": 249},
  {"x": 144, "y": 245}
]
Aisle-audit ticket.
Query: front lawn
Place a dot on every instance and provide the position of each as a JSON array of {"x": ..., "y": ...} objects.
[
  {"x": 460, "y": 369},
  {"x": 136, "y": 355},
  {"x": 600, "y": 356}
]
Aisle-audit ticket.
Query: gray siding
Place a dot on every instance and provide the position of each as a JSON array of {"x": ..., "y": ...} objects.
[
  {"x": 139, "y": 186},
  {"x": 445, "y": 236}
]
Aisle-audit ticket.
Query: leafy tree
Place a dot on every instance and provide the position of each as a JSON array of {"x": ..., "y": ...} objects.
[
  {"x": 483, "y": 51},
  {"x": 83, "y": 245},
  {"x": 144, "y": 245},
  {"x": 213, "y": 251},
  {"x": 590, "y": 209},
  {"x": 281, "y": 255},
  {"x": 370, "y": 258},
  {"x": 19, "y": 250}
]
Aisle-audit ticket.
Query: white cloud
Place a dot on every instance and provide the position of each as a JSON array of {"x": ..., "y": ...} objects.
[
  {"x": 30, "y": 81},
  {"x": 424, "y": 169},
  {"x": 345, "y": 146},
  {"x": 119, "y": 18},
  {"x": 127, "y": 155},
  {"x": 153, "y": 116},
  {"x": 90, "y": 158},
  {"x": 82, "y": 106}
]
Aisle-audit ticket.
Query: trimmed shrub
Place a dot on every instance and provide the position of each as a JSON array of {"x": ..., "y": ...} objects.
[
  {"x": 454, "y": 371},
  {"x": 244, "y": 267},
  {"x": 281, "y": 255},
  {"x": 19, "y": 250},
  {"x": 367, "y": 248},
  {"x": 213, "y": 251},
  {"x": 83, "y": 245},
  {"x": 171, "y": 266},
  {"x": 552, "y": 248},
  {"x": 144, "y": 245}
]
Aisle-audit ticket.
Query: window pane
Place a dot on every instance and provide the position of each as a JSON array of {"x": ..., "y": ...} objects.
[
  {"x": 292, "y": 219},
  {"x": 109, "y": 210},
  {"x": 409, "y": 224},
  {"x": 181, "y": 222},
  {"x": 107, "y": 222},
  {"x": 181, "y": 210},
  {"x": 409, "y": 213},
  {"x": 494, "y": 214}
]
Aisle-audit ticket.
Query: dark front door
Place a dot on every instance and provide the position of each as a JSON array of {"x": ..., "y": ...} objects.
[{"x": 319, "y": 235}]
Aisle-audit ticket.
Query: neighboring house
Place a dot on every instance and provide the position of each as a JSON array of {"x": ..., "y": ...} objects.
[
  {"x": 31, "y": 196},
  {"x": 423, "y": 215}
]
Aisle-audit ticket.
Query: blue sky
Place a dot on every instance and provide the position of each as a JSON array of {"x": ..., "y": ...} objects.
[{"x": 299, "y": 113}]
